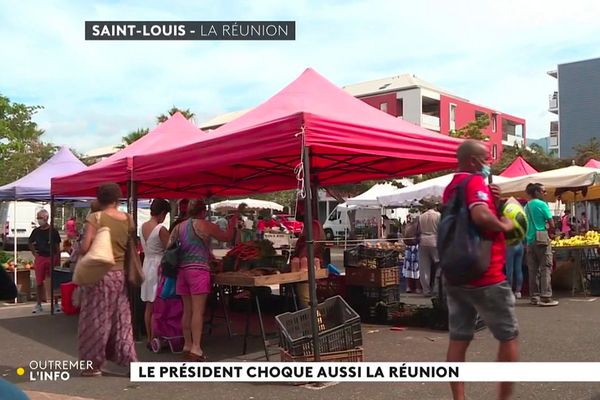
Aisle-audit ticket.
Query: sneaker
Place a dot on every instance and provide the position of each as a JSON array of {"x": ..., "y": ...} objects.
[
  {"x": 548, "y": 302},
  {"x": 37, "y": 309},
  {"x": 57, "y": 309},
  {"x": 534, "y": 301},
  {"x": 518, "y": 295}
]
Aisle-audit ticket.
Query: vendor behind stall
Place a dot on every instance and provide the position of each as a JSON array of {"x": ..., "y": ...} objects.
[{"x": 301, "y": 250}]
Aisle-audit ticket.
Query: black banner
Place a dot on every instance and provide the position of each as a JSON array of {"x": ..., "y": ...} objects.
[{"x": 188, "y": 30}]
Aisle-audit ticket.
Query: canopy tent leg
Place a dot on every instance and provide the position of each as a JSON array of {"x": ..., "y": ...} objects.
[
  {"x": 311, "y": 253},
  {"x": 14, "y": 224},
  {"x": 52, "y": 244},
  {"x": 134, "y": 293}
]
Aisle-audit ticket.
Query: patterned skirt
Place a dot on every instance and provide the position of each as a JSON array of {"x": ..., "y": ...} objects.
[
  {"x": 105, "y": 331},
  {"x": 411, "y": 263}
]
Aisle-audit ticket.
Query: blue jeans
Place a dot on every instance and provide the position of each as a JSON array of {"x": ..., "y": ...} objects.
[{"x": 514, "y": 266}]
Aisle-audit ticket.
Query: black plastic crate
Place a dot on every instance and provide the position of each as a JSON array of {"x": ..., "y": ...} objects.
[
  {"x": 353, "y": 257},
  {"x": 370, "y": 295},
  {"x": 339, "y": 328},
  {"x": 379, "y": 313}
]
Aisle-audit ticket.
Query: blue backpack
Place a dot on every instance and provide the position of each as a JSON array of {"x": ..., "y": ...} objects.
[{"x": 464, "y": 253}]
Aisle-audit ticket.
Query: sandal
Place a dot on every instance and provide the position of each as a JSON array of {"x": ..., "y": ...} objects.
[
  {"x": 89, "y": 373},
  {"x": 195, "y": 357}
]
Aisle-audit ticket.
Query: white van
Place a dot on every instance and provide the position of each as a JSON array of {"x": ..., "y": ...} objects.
[
  {"x": 25, "y": 223},
  {"x": 338, "y": 222}
]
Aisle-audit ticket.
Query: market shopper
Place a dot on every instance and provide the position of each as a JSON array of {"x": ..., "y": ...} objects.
[
  {"x": 565, "y": 224},
  {"x": 105, "y": 331},
  {"x": 410, "y": 268},
  {"x": 155, "y": 238},
  {"x": 71, "y": 228},
  {"x": 539, "y": 248},
  {"x": 193, "y": 277},
  {"x": 427, "y": 229},
  {"x": 514, "y": 267},
  {"x": 584, "y": 223},
  {"x": 182, "y": 213},
  {"x": 301, "y": 250},
  {"x": 39, "y": 245},
  {"x": 490, "y": 296}
]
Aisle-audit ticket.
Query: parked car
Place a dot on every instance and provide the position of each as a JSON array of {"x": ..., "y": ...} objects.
[{"x": 289, "y": 223}]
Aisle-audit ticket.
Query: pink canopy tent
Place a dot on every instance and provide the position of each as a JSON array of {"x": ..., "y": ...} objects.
[
  {"x": 174, "y": 132},
  {"x": 349, "y": 141},
  {"x": 519, "y": 167},
  {"x": 310, "y": 134},
  {"x": 592, "y": 164}
]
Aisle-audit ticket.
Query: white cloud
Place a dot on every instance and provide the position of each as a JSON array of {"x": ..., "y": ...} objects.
[{"x": 494, "y": 53}]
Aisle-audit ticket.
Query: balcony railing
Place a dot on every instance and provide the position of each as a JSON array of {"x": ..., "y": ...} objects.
[
  {"x": 553, "y": 101},
  {"x": 430, "y": 121}
]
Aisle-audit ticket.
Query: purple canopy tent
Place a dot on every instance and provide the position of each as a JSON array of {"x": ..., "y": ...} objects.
[{"x": 36, "y": 186}]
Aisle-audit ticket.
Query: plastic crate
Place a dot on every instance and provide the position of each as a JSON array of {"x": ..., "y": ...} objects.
[
  {"x": 354, "y": 355},
  {"x": 333, "y": 285},
  {"x": 358, "y": 295},
  {"x": 380, "y": 277},
  {"x": 380, "y": 313},
  {"x": 338, "y": 324},
  {"x": 353, "y": 257}
]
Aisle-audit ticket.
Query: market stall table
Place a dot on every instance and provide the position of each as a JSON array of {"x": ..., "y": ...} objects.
[
  {"x": 252, "y": 283},
  {"x": 586, "y": 264}
]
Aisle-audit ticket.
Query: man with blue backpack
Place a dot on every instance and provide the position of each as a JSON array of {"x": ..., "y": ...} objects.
[{"x": 472, "y": 252}]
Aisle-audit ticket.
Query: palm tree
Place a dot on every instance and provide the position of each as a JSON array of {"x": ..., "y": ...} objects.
[
  {"x": 133, "y": 136},
  {"x": 586, "y": 151},
  {"x": 186, "y": 113}
]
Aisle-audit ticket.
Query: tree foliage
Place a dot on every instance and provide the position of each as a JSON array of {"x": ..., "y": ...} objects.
[
  {"x": 474, "y": 129},
  {"x": 535, "y": 156},
  {"x": 186, "y": 113},
  {"x": 133, "y": 136},
  {"x": 587, "y": 151},
  {"x": 21, "y": 147},
  {"x": 139, "y": 133}
]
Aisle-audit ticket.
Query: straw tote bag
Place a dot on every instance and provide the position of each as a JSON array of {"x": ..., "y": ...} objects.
[{"x": 99, "y": 259}]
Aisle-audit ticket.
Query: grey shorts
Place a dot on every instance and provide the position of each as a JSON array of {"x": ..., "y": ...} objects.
[{"x": 495, "y": 304}]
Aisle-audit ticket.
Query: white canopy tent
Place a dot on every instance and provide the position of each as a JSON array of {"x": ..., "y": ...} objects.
[
  {"x": 430, "y": 190},
  {"x": 573, "y": 177},
  {"x": 251, "y": 203},
  {"x": 369, "y": 198}
]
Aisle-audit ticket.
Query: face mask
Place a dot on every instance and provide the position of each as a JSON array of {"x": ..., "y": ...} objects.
[
  {"x": 41, "y": 222},
  {"x": 486, "y": 171}
]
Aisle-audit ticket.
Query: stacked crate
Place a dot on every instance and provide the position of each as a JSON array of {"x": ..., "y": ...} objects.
[
  {"x": 339, "y": 330},
  {"x": 372, "y": 281}
]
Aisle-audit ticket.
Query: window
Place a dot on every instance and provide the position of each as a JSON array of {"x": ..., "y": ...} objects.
[
  {"x": 452, "y": 117},
  {"x": 495, "y": 152},
  {"x": 400, "y": 107},
  {"x": 494, "y": 117},
  {"x": 383, "y": 107}
]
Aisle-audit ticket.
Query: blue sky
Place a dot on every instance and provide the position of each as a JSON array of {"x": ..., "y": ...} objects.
[{"x": 495, "y": 53}]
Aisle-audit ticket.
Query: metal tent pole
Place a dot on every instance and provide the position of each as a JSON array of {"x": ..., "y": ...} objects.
[
  {"x": 14, "y": 224},
  {"x": 311, "y": 253},
  {"x": 51, "y": 255},
  {"x": 133, "y": 292}
]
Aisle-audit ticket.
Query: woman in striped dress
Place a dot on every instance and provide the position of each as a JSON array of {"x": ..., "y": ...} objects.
[{"x": 105, "y": 331}]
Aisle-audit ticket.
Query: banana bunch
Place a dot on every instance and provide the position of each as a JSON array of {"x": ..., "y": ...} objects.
[{"x": 591, "y": 238}]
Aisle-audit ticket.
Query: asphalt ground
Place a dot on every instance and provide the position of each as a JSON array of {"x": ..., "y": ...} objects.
[{"x": 569, "y": 332}]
